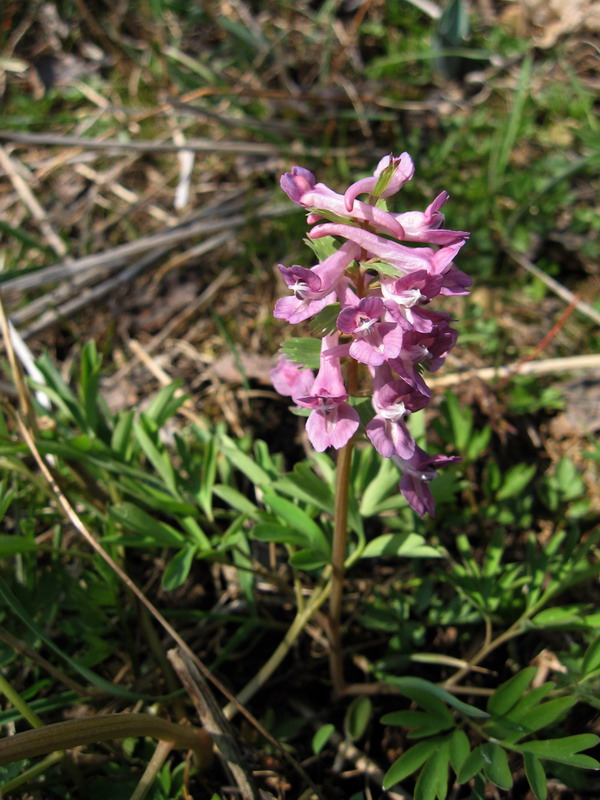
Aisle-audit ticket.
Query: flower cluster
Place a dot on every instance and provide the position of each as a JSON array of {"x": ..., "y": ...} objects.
[{"x": 380, "y": 287}]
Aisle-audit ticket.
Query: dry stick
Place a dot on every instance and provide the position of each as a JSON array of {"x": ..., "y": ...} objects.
[
  {"x": 71, "y": 514},
  {"x": 27, "y": 196},
  {"x": 546, "y": 367},
  {"x": 144, "y": 146},
  {"x": 555, "y": 286},
  {"x": 92, "y": 295},
  {"x": 23, "y": 649},
  {"x": 107, "y": 286},
  {"x": 542, "y": 344},
  {"x": 158, "y": 758},
  {"x": 166, "y": 239},
  {"x": 215, "y": 722}
]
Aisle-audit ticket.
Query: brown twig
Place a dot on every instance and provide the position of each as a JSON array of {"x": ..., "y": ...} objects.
[{"x": 214, "y": 721}]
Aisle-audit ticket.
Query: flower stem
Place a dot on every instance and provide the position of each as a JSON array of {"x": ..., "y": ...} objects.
[{"x": 338, "y": 559}]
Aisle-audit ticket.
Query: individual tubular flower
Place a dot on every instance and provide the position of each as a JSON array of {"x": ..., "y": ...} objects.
[
  {"x": 404, "y": 169},
  {"x": 393, "y": 400},
  {"x": 333, "y": 421},
  {"x": 314, "y": 289},
  {"x": 291, "y": 380},
  {"x": 374, "y": 341},
  {"x": 301, "y": 187},
  {"x": 418, "y": 471},
  {"x": 427, "y": 226}
]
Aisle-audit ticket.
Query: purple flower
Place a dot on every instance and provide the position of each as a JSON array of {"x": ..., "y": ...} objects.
[
  {"x": 301, "y": 187},
  {"x": 405, "y": 297},
  {"x": 315, "y": 288},
  {"x": 426, "y": 226},
  {"x": 297, "y": 182},
  {"x": 393, "y": 400},
  {"x": 291, "y": 380},
  {"x": 418, "y": 471},
  {"x": 333, "y": 421},
  {"x": 374, "y": 341},
  {"x": 386, "y": 321},
  {"x": 403, "y": 172}
]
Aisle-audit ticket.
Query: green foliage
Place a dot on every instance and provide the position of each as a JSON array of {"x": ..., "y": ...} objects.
[{"x": 514, "y": 713}]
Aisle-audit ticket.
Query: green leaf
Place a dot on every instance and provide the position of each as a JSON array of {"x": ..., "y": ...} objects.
[
  {"x": 303, "y": 351},
  {"x": 429, "y": 702},
  {"x": 121, "y": 442},
  {"x": 459, "y": 748},
  {"x": 379, "y": 488},
  {"x": 90, "y": 381},
  {"x": 244, "y": 463},
  {"x": 269, "y": 532},
  {"x": 236, "y": 500},
  {"x": 405, "y": 685},
  {"x": 95, "y": 680},
  {"x": 536, "y": 776},
  {"x": 515, "y": 481},
  {"x": 409, "y": 762},
  {"x": 325, "y": 321},
  {"x": 564, "y": 750},
  {"x": 153, "y": 532},
  {"x": 303, "y": 484},
  {"x": 155, "y": 454},
  {"x": 543, "y": 715},
  {"x": 165, "y": 404},
  {"x": 571, "y": 616},
  {"x": 531, "y": 699},
  {"x": 191, "y": 527},
  {"x": 405, "y": 545},
  {"x": 357, "y": 717},
  {"x": 472, "y": 765},
  {"x": 433, "y": 778},
  {"x": 297, "y": 519},
  {"x": 322, "y": 248},
  {"x": 178, "y": 568},
  {"x": 208, "y": 473},
  {"x": 382, "y": 268},
  {"x": 321, "y": 737},
  {"x": 461, "y": 420},
  {"x": 11, "y": 545},
  {"x": 496, "y": 765},
  {"x": 308, "y": 559},
  {"x": 423, "y": 722},
  {"x": 506, "y": 695},
  {"x": 591, "y": 658}
]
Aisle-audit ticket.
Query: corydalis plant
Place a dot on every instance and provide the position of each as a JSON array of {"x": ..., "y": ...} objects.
[{"x": 379, "y": 289}]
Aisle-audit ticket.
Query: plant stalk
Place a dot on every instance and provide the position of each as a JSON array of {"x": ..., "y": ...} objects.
[
  {"x": 76, "y": 732},
  {"x": 338, "y": 560}
]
